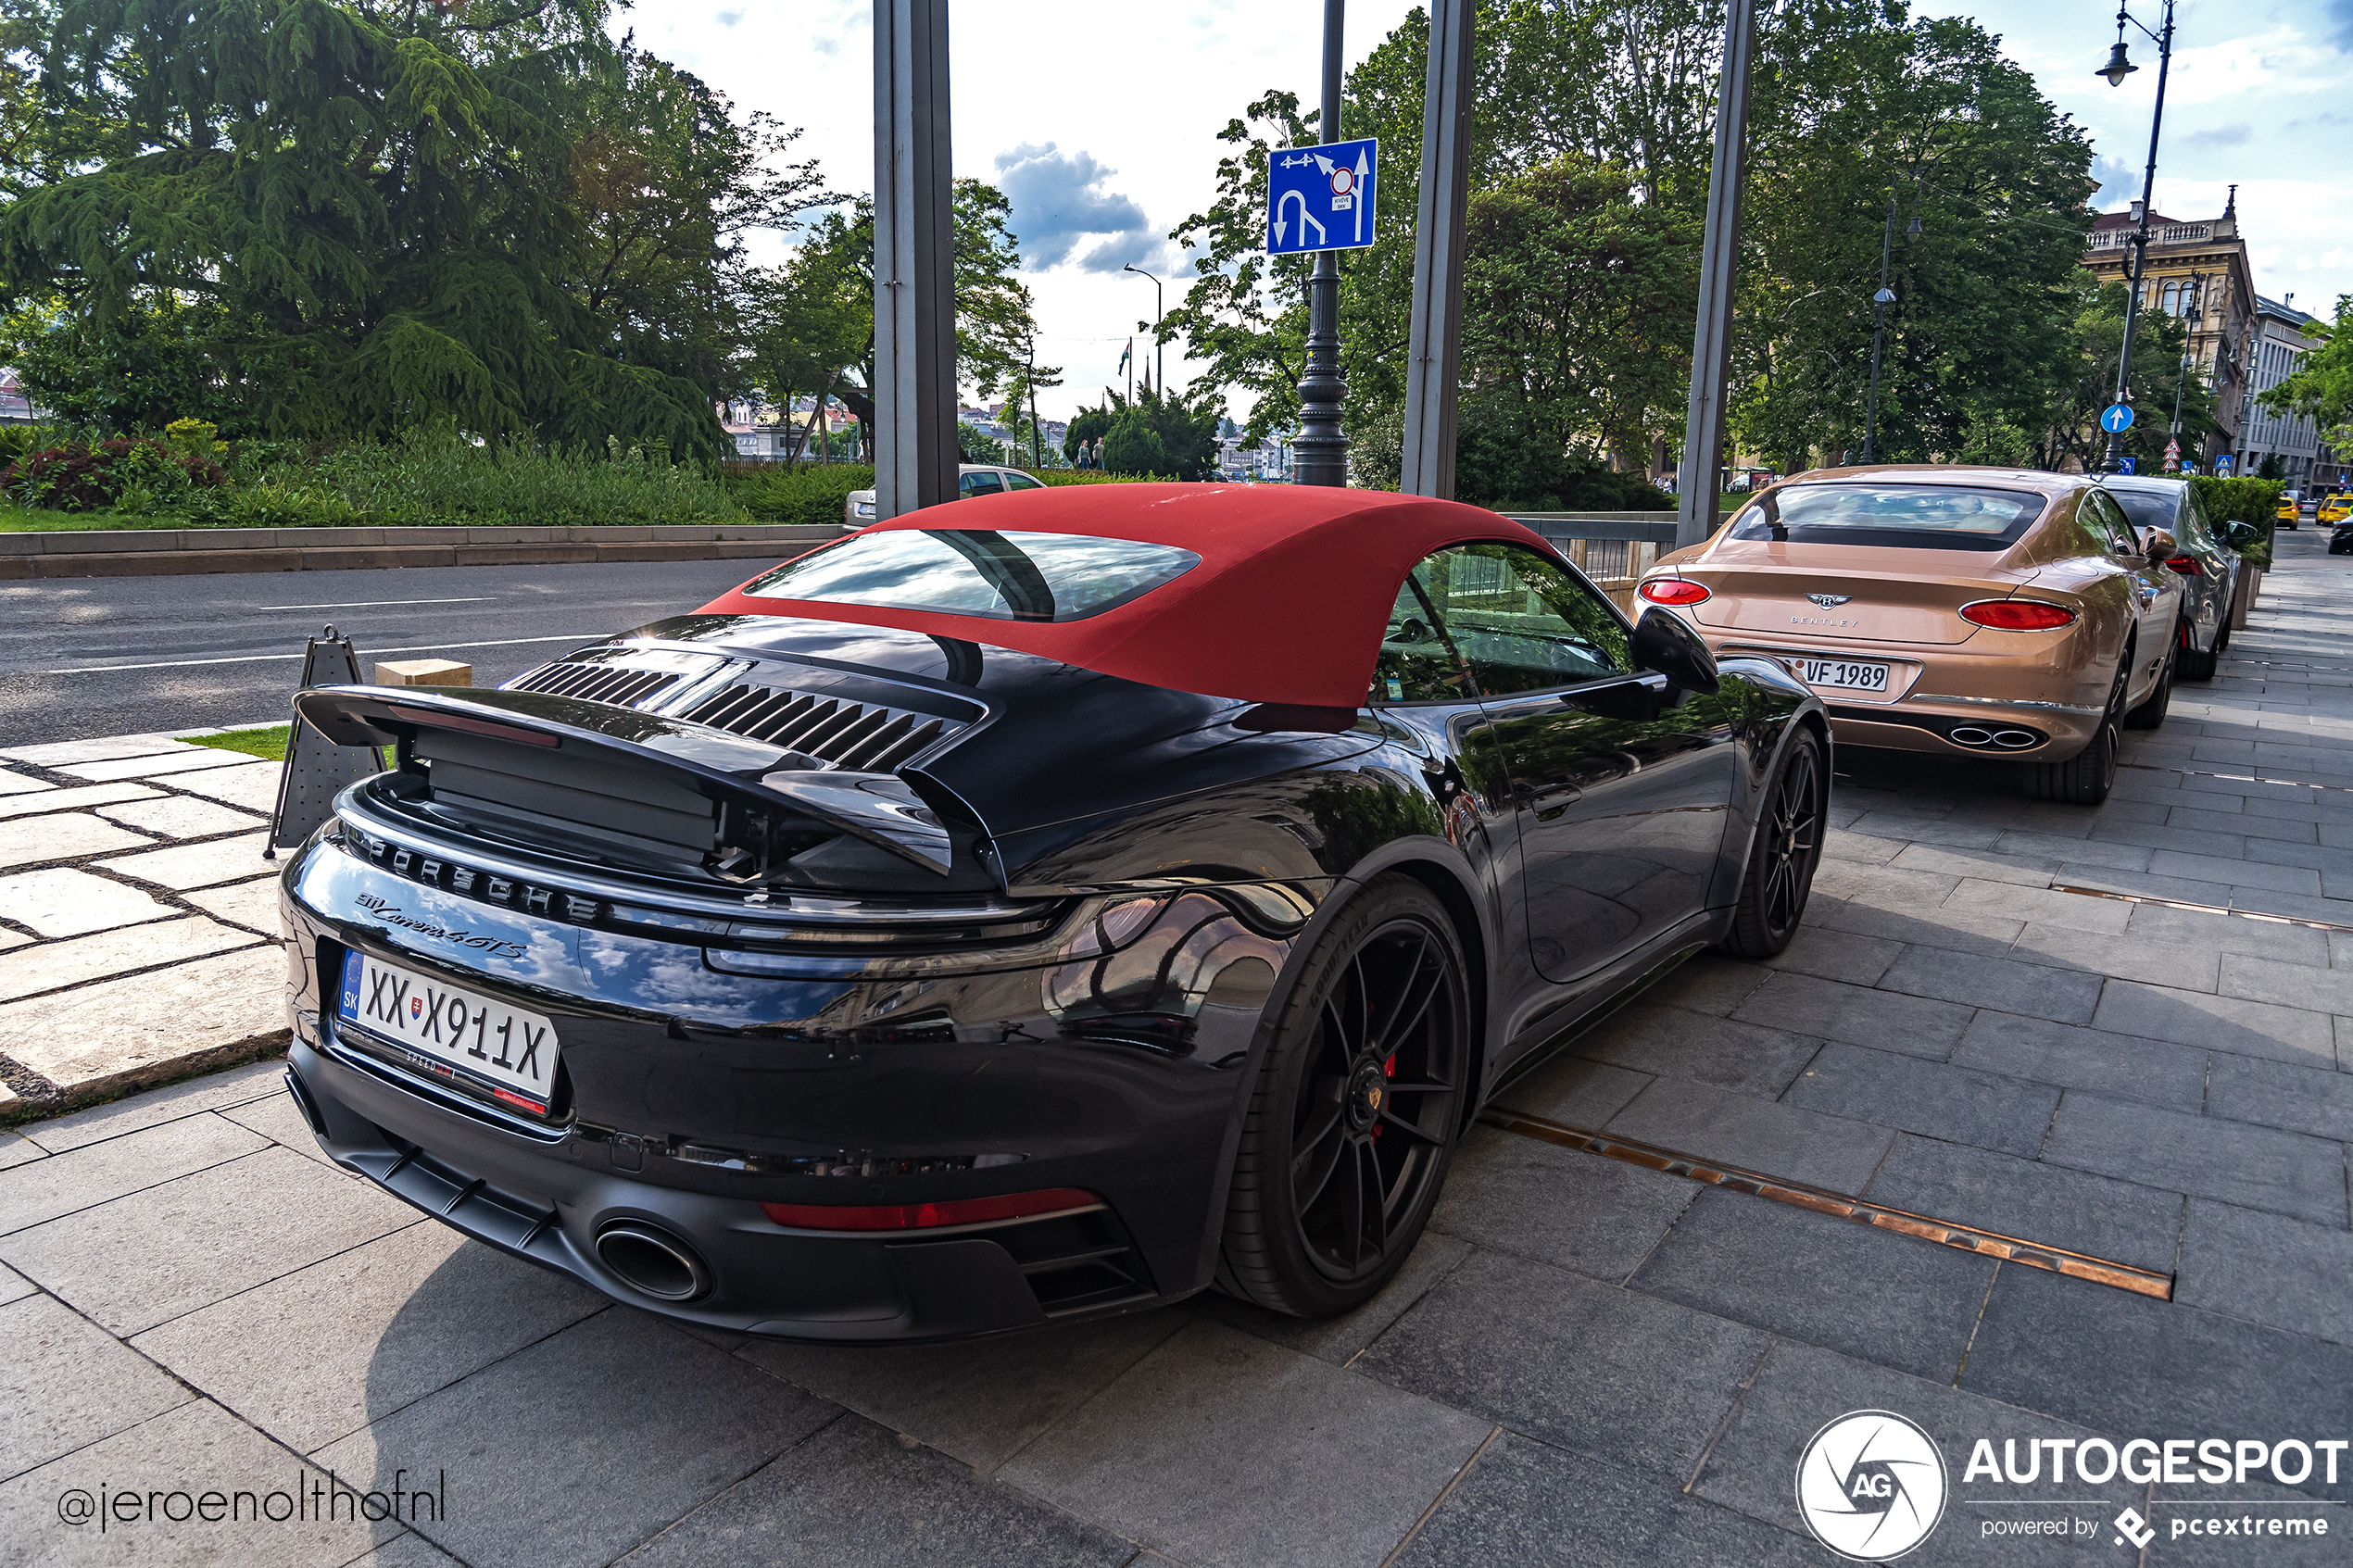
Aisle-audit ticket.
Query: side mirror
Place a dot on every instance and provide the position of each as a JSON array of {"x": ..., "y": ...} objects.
[
  {"x": 1663, "y": 642},
  {"x": 2239, "y": 535},
  {"x": 2159, "y": 544}
]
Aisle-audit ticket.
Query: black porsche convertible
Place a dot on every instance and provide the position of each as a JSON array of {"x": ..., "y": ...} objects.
[{"x": 1048, "y": 908}]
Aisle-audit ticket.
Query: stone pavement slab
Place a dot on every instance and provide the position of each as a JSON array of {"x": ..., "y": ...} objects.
[
  {"x": 2245, "y": 1263},
  {"x": 214, "y": 1091},
  {"x": 1574, "y": 1089},
  {"x": 40, "y": 1190},
  {"x": 384, "y": 1325},
  {"x": 1982, "y": 1110},
  {"x": 2110, "y": 1218},
  {"x": 53, "y": 965},
  {"x": 675, "y": 1423},
  {"x": 1669, "y": 1042},
  {"x": 253, "y": 785},
  {"x": 2116, "y": 1066},
  {"x": 15, "y": 807},
  {"x": 2254, "y": 1167},
  {"x": 179, "y": 816},
  {"x": 30, "y": 841},
  {"x": 190, "y": 1448},
  {"x": 198, "y": 865},
  {"x": 162, "y": 765},
  {"x": 148, "y": 1256},
  {"x": 253, "y": 904},
  {"x": 2123, "y": 1364},
  {"x": 1859, "y": 1015},
  {"x": 1802, "y": 1276},
  {"x": 61, "y": 902},
  {"x": 2223, "y": 1024},
  {"x": 67, "y": 752},
  {"x": 854, "y": 1495},
  {"x": 1559, "y": 1206},
  {"x": 1594, "y": 1368},
  {"x": 118, "y": 1033},
  {"x": 981, "y": 1403},
  {"x": 2276, "y": 1094},
  {"x": 1525, "y": 1504},
  {"x": 14, "y": 783},
  {"x": 1761, "y": 1135},
  {"x": 65, "y": 1383},
  {"x": 1308, "y": 1464}
]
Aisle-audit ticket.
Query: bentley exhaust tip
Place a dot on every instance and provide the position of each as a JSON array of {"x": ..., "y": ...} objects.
[
  {"x": 2016, "y": 740},
  {"x": 652, "y": 1261},
  {"x": 1970, "y": 735}
]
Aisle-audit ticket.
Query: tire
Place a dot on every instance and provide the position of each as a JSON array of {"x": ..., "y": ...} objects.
[
  {"x": 2190, "y": 665},
  {"x": 2086, "y": 778},
  {"x": 2150, "y": 714},
  {"x": 1788, "y": 846},
  {"x": 1360, "y": 1094}
]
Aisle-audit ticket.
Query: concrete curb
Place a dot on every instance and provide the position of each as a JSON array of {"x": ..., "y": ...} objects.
[{"x": 165, "y": 552}]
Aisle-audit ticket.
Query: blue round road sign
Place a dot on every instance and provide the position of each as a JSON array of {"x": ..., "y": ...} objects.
[{"x": 2116, "y": 419}]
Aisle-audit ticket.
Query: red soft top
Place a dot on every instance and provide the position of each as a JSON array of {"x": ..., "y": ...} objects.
[{"x": 1288, "y": 605}]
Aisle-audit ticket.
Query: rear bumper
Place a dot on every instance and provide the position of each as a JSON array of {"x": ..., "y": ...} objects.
[
  {"x": 1958, "y": 700},
  {"x": 691, "y": 1097},
  {"x": 2029, "y": 732}
]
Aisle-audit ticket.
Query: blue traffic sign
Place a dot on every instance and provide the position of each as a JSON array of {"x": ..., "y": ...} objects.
[
  {"x": 2222, "y": 465},
  {"x": 1321, "y": 197},
  {"x": 2124, "y": 465},
  {"x": 2116, "y": 419}
]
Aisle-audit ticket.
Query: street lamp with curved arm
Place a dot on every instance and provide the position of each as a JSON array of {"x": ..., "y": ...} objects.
[{"x": 1160, "y": 350}]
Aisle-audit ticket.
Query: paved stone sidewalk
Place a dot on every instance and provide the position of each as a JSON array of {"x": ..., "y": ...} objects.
[
  {"x": 137, "y": 916},
  {"x": 1587, "y": 1363}
]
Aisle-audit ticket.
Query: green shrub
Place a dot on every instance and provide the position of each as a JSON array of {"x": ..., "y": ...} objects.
[
  {"x": 1095, "y": 476},
  {"x": 138, "y": 476},
  {"x": 811, "y": 495},
  {"x": 2226, "y": 501}
]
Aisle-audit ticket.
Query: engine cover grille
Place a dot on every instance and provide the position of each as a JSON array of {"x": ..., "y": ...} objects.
[
  {"x": 863, "y": 736},
  {"x": 595, "y": 682}
]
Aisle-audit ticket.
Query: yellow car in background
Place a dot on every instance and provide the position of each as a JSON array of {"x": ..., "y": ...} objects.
[
  {"x": 2335, "y": 509},
  {"x": 2289, "y": 502}
]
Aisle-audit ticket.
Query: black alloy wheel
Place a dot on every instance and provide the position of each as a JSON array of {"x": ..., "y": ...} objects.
[
  {"x": 2086, "y": 778},
  {"x": 1354, "y": 1115},
  {"x": 1780, "y": 875}
]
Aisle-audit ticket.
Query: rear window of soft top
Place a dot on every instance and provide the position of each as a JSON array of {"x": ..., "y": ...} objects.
[{"x": 1907, "y": 517}]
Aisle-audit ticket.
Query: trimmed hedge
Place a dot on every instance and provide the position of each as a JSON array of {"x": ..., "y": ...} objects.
[
  {"x": 813, "y": 493},
  {"x": 2254, "y": 501}
]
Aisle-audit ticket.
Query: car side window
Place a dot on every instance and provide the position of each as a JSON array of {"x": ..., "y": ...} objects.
[
  {"x": 983, "y": 483},
  {"x": 1023, "y": 481},
  {"x": 1417, "y": 663},
  {"x": 1522, "y": 623},
  {"x": 2105, "y": 521}
]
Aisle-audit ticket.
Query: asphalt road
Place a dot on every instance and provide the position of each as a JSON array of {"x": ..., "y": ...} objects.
[{"x": 110, "y": 655}]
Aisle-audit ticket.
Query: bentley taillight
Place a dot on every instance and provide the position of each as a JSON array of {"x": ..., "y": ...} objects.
[
  {"x": 2018, "y": 615},
  {"x": 2186, "y": 565},
  {"x": 1676, "y": 591}
]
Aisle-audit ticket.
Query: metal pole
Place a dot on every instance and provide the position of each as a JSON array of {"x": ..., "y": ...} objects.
[
  {"x": 914, "y": 261},
  {"x": 1434, "y": 357},
  {"x": 2115, "y": 460},
  {"x": 1160, "y": 350},
  {"x": 1878, "y": 324},
  {"x": 1697, "y": 481},
  {"x": 1321, "y": 450}
]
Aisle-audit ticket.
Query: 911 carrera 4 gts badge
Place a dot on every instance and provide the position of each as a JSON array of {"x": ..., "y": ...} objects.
[
  {"x": 1830, "y": 601},
  {"x": 392, "y": 914}
]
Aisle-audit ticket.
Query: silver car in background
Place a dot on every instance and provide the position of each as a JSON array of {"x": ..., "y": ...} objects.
[
  {"x": 2207, "y": 563},
  {"x": 971, "y": 479}
]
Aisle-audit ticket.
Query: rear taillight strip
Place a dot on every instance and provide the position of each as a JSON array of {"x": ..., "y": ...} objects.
[{"x": 2018, "y": 615}]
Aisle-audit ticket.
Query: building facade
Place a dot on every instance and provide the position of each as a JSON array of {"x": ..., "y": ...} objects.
[
  {"x": 2197, "y": 272},
  {"x": 2279, "y": 349}
]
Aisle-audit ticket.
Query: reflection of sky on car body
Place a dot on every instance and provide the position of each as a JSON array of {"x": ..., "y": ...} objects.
[{"x": 969, "y": 572}]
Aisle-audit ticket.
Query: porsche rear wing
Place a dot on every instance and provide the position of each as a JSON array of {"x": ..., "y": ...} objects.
[{"x": 671, "y": 789}]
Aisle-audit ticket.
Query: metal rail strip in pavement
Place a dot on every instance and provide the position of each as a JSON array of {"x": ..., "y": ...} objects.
[{"x": 1968, "y": 1238}]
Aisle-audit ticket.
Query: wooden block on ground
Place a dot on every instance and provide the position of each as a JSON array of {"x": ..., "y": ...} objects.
[{"x": 423, "y": 672}]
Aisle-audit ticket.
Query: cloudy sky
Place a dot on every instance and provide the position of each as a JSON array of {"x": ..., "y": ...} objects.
[{"x": 1101, "y": 123}]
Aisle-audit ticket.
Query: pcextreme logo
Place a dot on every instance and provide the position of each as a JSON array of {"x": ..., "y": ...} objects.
[{"x": 1871, "y": 1485}]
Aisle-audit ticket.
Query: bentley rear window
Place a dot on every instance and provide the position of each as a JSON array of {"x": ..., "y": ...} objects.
[
  {"x": 969, "y": 572},
  {"x": 1907, "y": 517}
]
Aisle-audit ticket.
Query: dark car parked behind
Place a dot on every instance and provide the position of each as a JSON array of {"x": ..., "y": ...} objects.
[{"x": 2208, "y": 564}]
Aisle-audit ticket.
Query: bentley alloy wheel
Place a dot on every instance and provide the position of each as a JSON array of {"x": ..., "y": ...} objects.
[{"x": 1354, "y": 1115}]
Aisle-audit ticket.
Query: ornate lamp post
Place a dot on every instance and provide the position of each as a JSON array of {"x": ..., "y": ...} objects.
[{"x": 2119, "y": 67}]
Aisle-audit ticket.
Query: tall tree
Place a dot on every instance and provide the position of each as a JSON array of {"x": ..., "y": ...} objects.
[
  {"x": 2322, "y": 386},
  {"x": 370, "y": 216}
]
